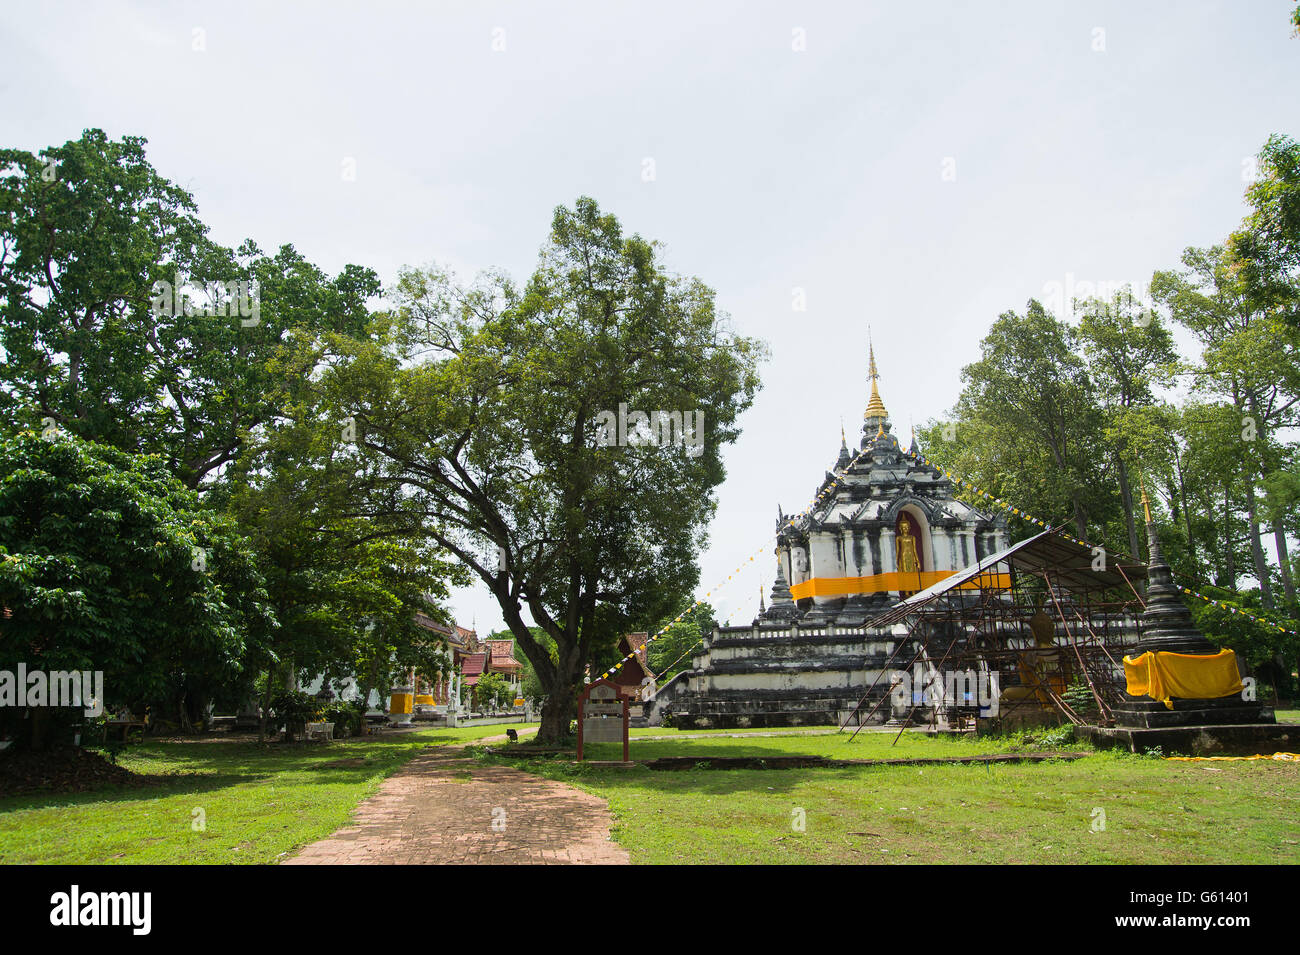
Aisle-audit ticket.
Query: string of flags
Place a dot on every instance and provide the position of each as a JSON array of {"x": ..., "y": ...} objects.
[
  {"x": 960, "y": 483},
  {"x": 1241, "y": 613},
  {"x": 692, "y": 608},
  {"x": 680, "y": 617}
]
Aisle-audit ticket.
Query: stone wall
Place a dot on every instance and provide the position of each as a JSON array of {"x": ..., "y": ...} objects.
[{"x": 781, "y": 676}]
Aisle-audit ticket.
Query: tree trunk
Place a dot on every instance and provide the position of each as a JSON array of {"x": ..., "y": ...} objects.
[
  {"x": 266, "y": 705},
  {"x": 1187, "y": 513},
  {"x": 556, "y": 716},
  {"x": 1126, "y": 493},
  {"x": 364, "y": 728},
  {"x": 37, "y": 739},
  {"x": 1230, "y": 564},
  {"x": 1256, "y": 549},
  {"x": 558, "y": 711},
  {"x": 1283, "y": 560}
]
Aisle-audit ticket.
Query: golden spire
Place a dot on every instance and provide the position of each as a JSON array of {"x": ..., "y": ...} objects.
[
  {"x": 875, "y": 407},
  {"x": 1146, "y": 504}
]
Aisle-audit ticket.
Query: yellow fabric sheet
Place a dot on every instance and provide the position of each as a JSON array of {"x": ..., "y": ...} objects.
[
  {"x": 878, "y": 583},
  {"x": 401, "y": 703},
  {"x": 1279, "y": 757},
  {"x": 1188, "y": 676}
]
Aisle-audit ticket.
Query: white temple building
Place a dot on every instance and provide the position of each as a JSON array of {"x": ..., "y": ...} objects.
[
  {"x": 883, "y": 527},
  {"x": 887, "y": 527}
]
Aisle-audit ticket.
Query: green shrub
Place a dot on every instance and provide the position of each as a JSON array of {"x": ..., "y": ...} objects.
[{"x": 294, "y": 708}]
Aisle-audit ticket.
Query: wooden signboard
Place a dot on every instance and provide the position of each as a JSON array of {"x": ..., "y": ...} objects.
[{"x": 602, "y": 716}]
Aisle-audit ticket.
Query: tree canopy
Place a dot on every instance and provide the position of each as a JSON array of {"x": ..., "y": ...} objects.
[{"x": 495, "y": 421}]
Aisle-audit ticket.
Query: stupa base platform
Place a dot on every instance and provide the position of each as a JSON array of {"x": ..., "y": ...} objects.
[
  {"x": 779, "y": 710},
  {"x": 1231, "y": 739},
  {"x": 1141, "y": 713}
]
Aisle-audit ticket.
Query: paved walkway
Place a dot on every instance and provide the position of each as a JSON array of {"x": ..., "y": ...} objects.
[{"x": 443, "y": 808}]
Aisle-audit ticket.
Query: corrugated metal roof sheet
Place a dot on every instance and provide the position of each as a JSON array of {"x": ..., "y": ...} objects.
[{"x": 1068, "y": 562}]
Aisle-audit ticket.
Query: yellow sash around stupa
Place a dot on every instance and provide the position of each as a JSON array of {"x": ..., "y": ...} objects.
[{"x": 1163, "y": 675}]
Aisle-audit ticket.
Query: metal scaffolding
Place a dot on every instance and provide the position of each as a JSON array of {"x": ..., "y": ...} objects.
[{"x": 1047, "y": 616}]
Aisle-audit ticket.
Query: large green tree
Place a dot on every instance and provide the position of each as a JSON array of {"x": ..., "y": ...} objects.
[
  {"x": 1130, "y": 354},
  {"x": 1028, "y": 425},
  {"x": 1250, "y": 359},
  {"x": 107, "y": 563},
  {"x": 118, "y": 322},
  {"x": 503, "y": 418},
  {"x": 347, "y": 565}
]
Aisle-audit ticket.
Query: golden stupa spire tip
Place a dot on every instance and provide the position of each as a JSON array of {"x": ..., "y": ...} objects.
[
  {"x": 875, "y": 407},
  {"x": 1146, "y": 502}
]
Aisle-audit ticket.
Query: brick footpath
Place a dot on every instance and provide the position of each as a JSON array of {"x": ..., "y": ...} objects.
[{"x": 443, "y": 808}]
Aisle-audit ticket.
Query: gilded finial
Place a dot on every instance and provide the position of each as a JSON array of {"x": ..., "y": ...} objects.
[
  {"x": 1146, "y": 503},
  {"x": 875, "y": 407}
]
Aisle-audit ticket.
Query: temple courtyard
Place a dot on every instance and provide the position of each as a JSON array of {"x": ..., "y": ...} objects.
[{"x": 468, "y": 796}]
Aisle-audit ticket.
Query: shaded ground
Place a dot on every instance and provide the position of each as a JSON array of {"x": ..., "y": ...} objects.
[
  {"x": 66, "y": 769},
  {"x": 218, "y": 801}
]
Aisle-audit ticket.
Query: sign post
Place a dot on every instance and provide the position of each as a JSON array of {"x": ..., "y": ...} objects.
[{"x": 602, "y": 716}]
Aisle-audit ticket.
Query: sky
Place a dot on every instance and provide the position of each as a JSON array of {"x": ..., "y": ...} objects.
[{"x": 915, "y": 169}]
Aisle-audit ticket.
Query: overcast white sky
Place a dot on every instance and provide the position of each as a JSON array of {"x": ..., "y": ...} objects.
[{"x": 775, "y": 169}]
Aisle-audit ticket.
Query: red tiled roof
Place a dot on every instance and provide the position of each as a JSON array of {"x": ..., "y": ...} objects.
[
  {"x": 502, "y": 655},
  {"x": 471, "y": 664},
  {"x": 630, "y": 642}
]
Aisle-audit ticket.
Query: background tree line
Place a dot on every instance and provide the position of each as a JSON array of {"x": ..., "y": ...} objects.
[
  {"x": 313, "y": 475},
  {"x": 178, "y": 507},
  {"x": 1065, "y": 418}
]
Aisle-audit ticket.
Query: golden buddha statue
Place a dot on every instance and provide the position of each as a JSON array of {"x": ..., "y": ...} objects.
[{"x": 908, "y": 561}]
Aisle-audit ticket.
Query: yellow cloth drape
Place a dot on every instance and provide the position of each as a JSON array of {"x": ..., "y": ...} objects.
[
  {"x": 1163, "y": 675},
  {"x": 878, "y": 583},
  {"x": 401, "y": 703},
  {"x": 1277, "y": 757}
]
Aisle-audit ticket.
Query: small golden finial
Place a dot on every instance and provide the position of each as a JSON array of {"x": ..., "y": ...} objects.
[
  {"x": 1146, "y": 503},
  {"x": 875, "y": 407}
]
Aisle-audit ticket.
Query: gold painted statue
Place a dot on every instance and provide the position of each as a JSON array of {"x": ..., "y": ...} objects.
[{"x": 908, "y": 562}]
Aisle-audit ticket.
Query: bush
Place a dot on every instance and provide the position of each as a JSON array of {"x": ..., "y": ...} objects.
[
  {"x": 294, "y": 708},
  {"x": 1060, "y": 736},
  {"x": 346, "y": 719}
]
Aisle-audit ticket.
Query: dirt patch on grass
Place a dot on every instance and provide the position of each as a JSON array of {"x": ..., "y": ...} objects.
[
  {"x": 67, "y": 769},
  {"x": 815, "y": 762}
]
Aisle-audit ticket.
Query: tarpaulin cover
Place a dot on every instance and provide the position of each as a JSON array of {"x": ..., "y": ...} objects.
[{"x": 1188, "y": 676}]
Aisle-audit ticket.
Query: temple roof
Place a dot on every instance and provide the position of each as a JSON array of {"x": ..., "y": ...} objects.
[
  {"x": 1069, "y": 565},
  {"x": 873, "y": 484}
]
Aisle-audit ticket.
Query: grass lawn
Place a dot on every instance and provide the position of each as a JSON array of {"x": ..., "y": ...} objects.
[
  {"x": 1287, "y": 716},
  {"x": 869, "y": 744},
  {"x": 258, "y": 802},
  {"x": 779, "y": 731},
  {"x": 1155, "y": 810}
]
